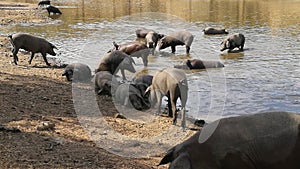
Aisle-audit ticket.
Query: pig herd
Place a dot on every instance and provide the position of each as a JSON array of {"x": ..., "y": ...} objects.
[{"x": 144, "y": 91}]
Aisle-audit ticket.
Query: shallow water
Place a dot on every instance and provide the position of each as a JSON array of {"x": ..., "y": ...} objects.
[{"x": 265, "y": 77}]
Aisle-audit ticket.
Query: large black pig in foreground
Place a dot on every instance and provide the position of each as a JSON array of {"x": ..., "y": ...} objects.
[{"x": 259, "y": 141}]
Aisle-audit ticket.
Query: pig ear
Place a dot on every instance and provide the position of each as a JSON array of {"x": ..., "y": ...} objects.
[
  {"x": 168, "y": 157},
  {"x": 54, "y": 47},
  {"x": 160, "y": 35},
  {"x": 116, "y": 45}
]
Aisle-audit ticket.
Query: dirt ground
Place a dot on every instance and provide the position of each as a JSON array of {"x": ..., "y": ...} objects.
[{"x": 38, "y": 124}]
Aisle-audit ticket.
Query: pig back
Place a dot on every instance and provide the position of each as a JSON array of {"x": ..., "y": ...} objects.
[
  {"x": 183, "y": 36},
  {"x": 168, "y": 78},
  {"x": 111, "y": 61},
  {"x": 81, "y": 72},
  {"x": 29, "y": 42}
]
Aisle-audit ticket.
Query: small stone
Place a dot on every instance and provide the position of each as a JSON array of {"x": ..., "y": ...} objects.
[
  {"x": 46, "y": 126},
  {"x": 120, "y": 116}
]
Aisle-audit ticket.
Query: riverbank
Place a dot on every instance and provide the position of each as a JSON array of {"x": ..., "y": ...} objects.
[{"x": 38, "y": 124}]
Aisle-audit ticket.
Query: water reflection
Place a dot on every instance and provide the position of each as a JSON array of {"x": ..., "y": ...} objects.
[
  {"x": 263, "y": 77},
  {"x": 272, "y": 13}
]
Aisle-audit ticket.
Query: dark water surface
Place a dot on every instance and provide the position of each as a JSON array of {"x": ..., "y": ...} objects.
[{"x": 265, "y": 77}]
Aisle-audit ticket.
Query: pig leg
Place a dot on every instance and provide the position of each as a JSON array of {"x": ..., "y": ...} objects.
[
  {"x": 126, "y": 101},
  {"x": 31, "y": 57},
  {"x": 15, "y": 51},
  {"x": 170, "y": 106},
  {"x": 173, "y": 104},
  {"x": 45, "y": 59},
  {"x": 242, "y": 46},
  {"x": 188, "y": 50},
  {"x": 183, "y": 120},
  {"x": 173, "y": 49},
  {"x": 183, "y": 99},
  {"x": 145, "y": 60},
  {"x": 158, "y": 97},
  {"x": 123, "y": 74}
]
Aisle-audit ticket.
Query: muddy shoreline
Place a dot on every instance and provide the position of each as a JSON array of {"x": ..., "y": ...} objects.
[{"x": 33, "y": 96}]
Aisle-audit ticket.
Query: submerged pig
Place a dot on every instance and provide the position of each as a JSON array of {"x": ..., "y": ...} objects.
[
  {"x": 236, "y": 40},
  {"x": 257, "y": 141},
  {"x": 32, "y": 44},
  {"x": 78, "y": 72},
  {"x": 214, "y": 31},
  {"x": 132, "y": 95},
  {"x": 134, "y": 49},
  {"x": 199, "y": 64},
  {"x": 115, "y": 61},
  {"x": 105, "y": 83},
  {"x": 176, "y": 38}
]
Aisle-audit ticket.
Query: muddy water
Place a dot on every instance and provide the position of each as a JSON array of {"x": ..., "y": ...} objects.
[{"x": 265, "y": 77}]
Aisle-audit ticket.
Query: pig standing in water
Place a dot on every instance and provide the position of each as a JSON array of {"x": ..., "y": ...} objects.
[
  {"x": 214, "y": 31},
  {"x": 78, "y": 72},
  {"x": 176, "y": 38},
  {"x": 32, "y": 44},
  {"x": 134, "y": 49},
  {"x": 114, "y": 61},
  {"x": 199, "y": 64},
  {"x": 53, "y": 9},
  {"x": 152, "y": 39},
  {"x": 236, "y": 40}
]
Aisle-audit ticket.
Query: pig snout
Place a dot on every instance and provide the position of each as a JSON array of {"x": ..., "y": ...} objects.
[
  {"x": 150, "y": 44},
  {"x": 52, "y": 53},
  {"x": 225, "y": 45}
]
